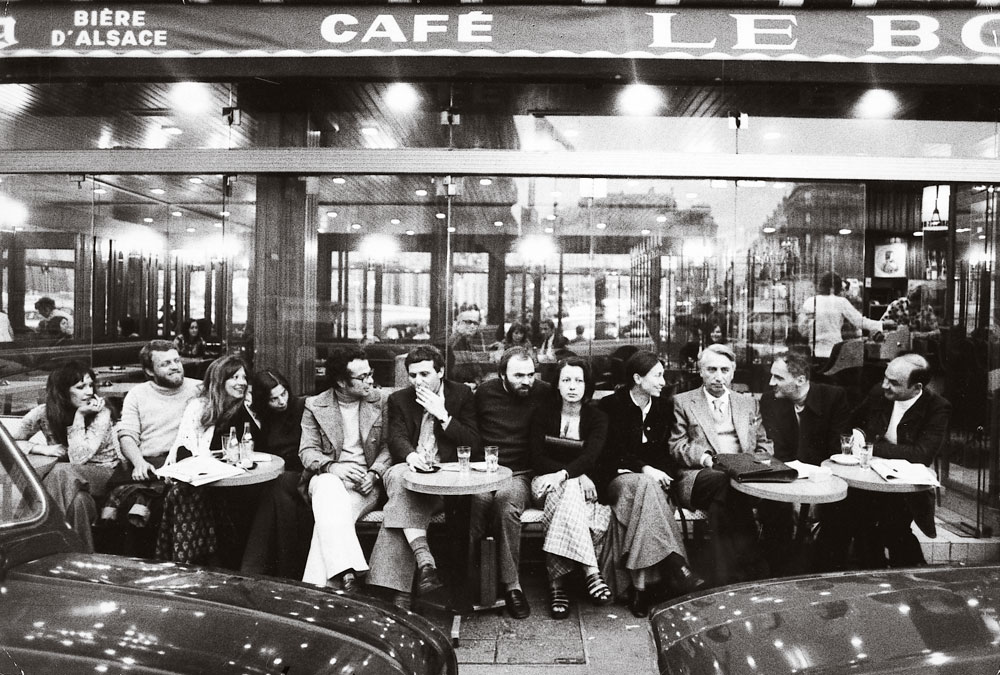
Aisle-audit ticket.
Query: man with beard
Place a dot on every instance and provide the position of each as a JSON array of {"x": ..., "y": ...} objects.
[
  {"x": 151, "y": 415},
  {"x": 151, "y": 412},
  {"x": 709, "y": 421},
  {"x": 504, "y": 407}
]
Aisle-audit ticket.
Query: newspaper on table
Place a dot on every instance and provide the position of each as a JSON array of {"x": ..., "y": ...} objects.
[
  {"x": 810, "y": 471},
  {"x": 903, "y": 471},
  {"x": 199, "y": 470}
]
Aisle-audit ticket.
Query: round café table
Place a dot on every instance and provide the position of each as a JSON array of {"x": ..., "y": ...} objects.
[
  {"x": 450, "y": 482},
  {"x": 263, "y": 471},
  {"x": 868, "y": 479}
]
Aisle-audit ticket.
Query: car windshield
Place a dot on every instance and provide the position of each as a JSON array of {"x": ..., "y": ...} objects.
[{"x": 20, "y": 500}]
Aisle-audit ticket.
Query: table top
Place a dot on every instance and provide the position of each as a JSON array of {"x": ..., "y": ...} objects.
[
  {"x": 867, "y": 479},
  {"x": 802, "y": 491},
  {"x": 261, "y": 473},
  {"x": 117, "y": 388},
  {"x": 119, "y": 373},
  {"x": 449, "y": 481}
]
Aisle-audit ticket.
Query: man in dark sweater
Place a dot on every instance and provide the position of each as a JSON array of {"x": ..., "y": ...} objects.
[{"x": 504, "y": 408}]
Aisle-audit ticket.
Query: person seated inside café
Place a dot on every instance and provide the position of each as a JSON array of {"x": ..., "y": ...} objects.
[
  {"x": 54, "y": 323},
  {"x": 903, "y": 419},
  {"x": 200, "y": 523},
  {"x": 344, "y": 457},
  {"x": 189, "y": 342},
  {"x": 823, "y": 316},
  {"x": 77, "y": 430},
  {"x": 427, "y": 420},
  {"x": 469, "y": 359},
  {"x": 804, "y": 420}
]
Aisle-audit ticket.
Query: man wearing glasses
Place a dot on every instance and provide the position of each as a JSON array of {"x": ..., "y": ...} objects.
[
  {"x": 344, "y": 455},
  {"x": 468, "y": 358}
]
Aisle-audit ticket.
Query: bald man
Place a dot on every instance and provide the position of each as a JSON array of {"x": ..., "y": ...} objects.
[{"x": 904, "y": 420}]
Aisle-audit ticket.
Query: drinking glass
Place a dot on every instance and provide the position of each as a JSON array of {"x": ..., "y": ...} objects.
[
  {"x": 865, "y": 453},
  {"x": 846, "y": 444},
  {"x": 492, "y": 453},
  {"x": 464, "y": 452},
  {"x": 429, "y": 453}
]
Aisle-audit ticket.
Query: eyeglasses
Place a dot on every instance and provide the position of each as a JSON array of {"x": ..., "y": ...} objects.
[{"x": 364, "y": 376}]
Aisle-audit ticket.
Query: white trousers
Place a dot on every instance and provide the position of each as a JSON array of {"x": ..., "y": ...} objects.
[{"x": 335, "y": 547}]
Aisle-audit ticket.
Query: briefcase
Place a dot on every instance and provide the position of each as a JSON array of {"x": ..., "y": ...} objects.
[{"x": 743, "y": 468}]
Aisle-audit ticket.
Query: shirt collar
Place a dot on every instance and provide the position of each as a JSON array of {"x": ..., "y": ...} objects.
[
  {"x": 909, "y": 403},
  {"x": 711, "y": 399},
  {"x": 643, "y": 408}
]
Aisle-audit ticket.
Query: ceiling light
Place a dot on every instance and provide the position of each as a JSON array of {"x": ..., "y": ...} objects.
[
  {"x": 157, "y": 191},
  {"x": 962, "y": 230},
  {"x": 331, "y": 214},
  {"x": 982, "y": 236},
  {"x": 176, "y": 214},
  {"x": 843, "y": 230},
  {"x": 486, "y": 181},
  {"x": 224, "y": 214},
  {"x": 410, "y": 233},
  {"x": 601, "y": 226},
  {"x": 339, "y": 181},
  {"x": 100, "y": 191},
  {"x": 876, "y": 104},
  {"x": 661, "y": 219},
  {"x": 401, "y": 97},
  {"x": 191, "y": 97},
  {"x": 640, "y": 99},
  {"x": 918, "y": 233},
  {"x": 644, "y": 231},
  {"x": 451, "y": 228},
  {"x": 147, "y": 220},
  {"x": 190, "y": 229},
  {"x": 497, "y": 223},
  {"x": 196, "y": 180},
  {"x": 356, "y": 226},
  {"x": 440, "y": 216},
  {"x": 768, "y": 230},
  {"x": 548, "y": 230},
  {"x": 551, "y": 216},
  {"x": 217, "y": 224},
  {"x": 420, "y": 193},
  {"x": 369, "y": 131},
  {"x": 394, "y": 221}
]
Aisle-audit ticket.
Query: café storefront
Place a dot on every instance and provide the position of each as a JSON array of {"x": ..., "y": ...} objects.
[{"x": 298, "y": 176}]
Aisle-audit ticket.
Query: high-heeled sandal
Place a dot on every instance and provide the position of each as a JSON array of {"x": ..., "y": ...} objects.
[
  {"x": 559, "y": 603},
  {"x": 598, "y": 589}
]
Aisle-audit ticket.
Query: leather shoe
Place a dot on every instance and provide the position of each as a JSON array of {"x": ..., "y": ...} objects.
[
  {"x": 427, "y": 579},
  {"x": 517, "y": 604},
  {"x": 348, "y": 582},
  {"x": 682, "y": 578},
  {"x": 639, "y": 602},
  {"x": 403, "y": 601}
]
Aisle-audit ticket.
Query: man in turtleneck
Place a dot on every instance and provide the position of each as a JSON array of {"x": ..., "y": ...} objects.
[{"x": 504, "y": 407}]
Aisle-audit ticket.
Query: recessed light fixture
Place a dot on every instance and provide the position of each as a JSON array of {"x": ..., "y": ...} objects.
[
  {"x": 224, "y": 214},
  {"x": 497, "y": 223},
  {"x": 440, "y": 216},
  {"x": 451, "y": 228},
  {"x": 420, "y": 193},
  {"x": 551, "y": 216},
  {"x": 601, "y": 226},
  {"x": 918, "y": 233},
  {"x": 217, "y": 224},
  {"x": 661, "y": 219},
  {"x": 982, "y": 236},
  {"x": 356, "y": 226},
  {"x": 548, "y": 230},
  {"x": 962, "y": 230},
  {"x": 157, "y": 191},
  {"x": 176, "y": 214},
  {"x": 339, "y": 181},
  {"x": 147, "y": 220},
  {"x": 844, "y": 230},
  {"x": 640, "y": 99},
  {"x": 190, "y": 229},
  {"x": 402, "y": 97},
  {"x": 768, "y": 230},
  {"x": 197, "y": 180},
  {"x": 410, "y": 233},
  {"x": 486, "y": 181},
  {"x": 331, "y": 214},
  {"x": 876, "y": 104},
  {"x": 394, "y": 221},
  {"x": 644, "y": 231}
]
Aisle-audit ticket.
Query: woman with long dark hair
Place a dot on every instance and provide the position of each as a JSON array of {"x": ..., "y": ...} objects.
[
  {"x": 189, "y": 342},
  {"x": 78, "y": 426},
  {"x": 645, "y": 547},
  {"x": 194, "y": 519},
  {"x": 282, "y": 527},
  {"x": 567, "y": 437}
]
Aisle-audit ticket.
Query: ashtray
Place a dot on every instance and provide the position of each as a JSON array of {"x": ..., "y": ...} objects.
[{"x": 433, "y": 469}]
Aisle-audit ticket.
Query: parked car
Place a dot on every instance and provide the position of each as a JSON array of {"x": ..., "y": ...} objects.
[
  {"x": 69, "y": 612},
  {"x": 941, "y": 620}
]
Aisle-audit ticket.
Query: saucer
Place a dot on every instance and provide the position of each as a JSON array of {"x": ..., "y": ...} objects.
[
  {"x": 434, "y": 469},
  {"x": 847, "y": 460}
]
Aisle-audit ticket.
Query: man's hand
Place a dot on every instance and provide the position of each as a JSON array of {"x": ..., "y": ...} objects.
[
  {"x": 550, "y": 481},
  {"x": 588, "y": 487},
  {"x": 432, "y": 402},
  {"x": 347, "y": 472},
  {"x": 366, "y": 484},
  {"x": 416, "y": 461},
  {"x": 661, "y": 477},
  {"x": 143, "y": 470}
]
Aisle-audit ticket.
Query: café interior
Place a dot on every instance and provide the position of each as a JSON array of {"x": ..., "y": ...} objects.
[{"x": 290, "y": 219}]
